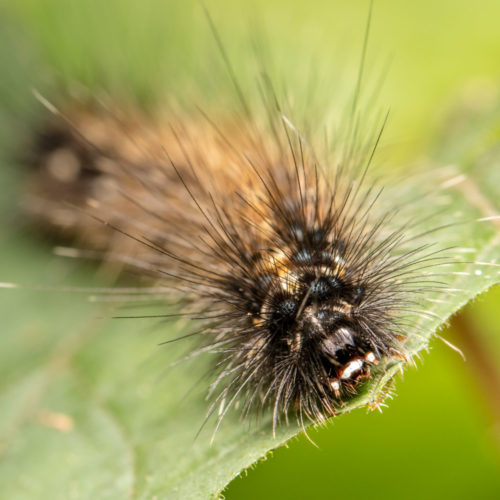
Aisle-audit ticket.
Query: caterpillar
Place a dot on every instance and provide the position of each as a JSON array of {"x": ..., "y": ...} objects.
[{"x": 299, "y": 281}]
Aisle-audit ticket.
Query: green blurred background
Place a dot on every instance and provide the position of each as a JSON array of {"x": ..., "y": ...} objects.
[{"x": 440, "y": 436}]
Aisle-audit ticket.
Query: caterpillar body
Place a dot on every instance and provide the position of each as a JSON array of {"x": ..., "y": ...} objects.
[{"x": 299, "y": 278}]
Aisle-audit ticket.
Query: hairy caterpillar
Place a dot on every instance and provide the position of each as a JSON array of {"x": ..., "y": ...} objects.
[{"x": 300, "y": 282}]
